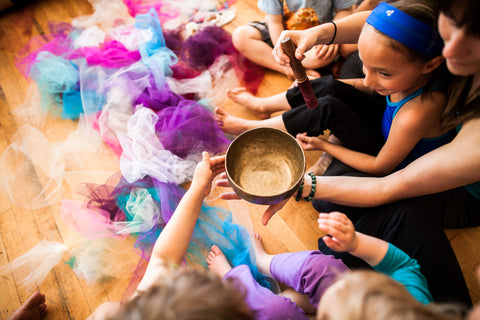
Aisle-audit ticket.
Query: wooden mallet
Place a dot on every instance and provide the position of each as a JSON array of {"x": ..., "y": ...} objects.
[{"x": 300, "y": 74}]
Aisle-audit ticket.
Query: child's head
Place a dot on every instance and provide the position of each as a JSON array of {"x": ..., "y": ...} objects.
[
  {"x": 187, "y": 294},
  {"x": 360, "y": 295},
  {"x": 399, "y": 46}
]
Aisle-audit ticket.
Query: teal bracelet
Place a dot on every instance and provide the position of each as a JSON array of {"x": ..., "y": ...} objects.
[
  {"x": 299, "y": 192},
  {"x": 314, "y": 187}
]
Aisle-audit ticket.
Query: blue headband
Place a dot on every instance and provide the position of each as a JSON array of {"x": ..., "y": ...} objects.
[{"x": 407, "y": 30}]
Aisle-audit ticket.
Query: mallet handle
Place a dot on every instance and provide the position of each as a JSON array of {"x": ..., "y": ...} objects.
[{"x": 297, "y": 67}]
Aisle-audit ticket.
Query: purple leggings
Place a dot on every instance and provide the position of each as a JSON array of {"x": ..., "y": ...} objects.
[{"x": 308, "y": 272}]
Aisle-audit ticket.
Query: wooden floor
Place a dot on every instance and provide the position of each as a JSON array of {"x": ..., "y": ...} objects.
[{"x": 69, "y": 297}]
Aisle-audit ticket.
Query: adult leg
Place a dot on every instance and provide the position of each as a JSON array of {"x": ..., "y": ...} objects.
[
  {"x": 455, "y": 208},
  {"x": 249, "y": 41},
  {"x": 413, "y": 228}
]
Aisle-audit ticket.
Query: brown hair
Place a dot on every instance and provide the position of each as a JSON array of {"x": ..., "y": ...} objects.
[
  {"x": 374, "y": 296},
  {"x": 189, "y": 294},
  {"x": 461, "y": 106}
]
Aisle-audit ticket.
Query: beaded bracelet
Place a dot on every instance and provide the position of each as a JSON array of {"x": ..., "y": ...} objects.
[
  {"x": 299, "y": 193},
  {"x": 314, "y": 187},
  {"x": 334, "y": 33}
]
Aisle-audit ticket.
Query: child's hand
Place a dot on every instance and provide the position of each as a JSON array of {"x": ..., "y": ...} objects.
[
  {"x": 310, "y": 143},
  {"x": 341, "y": 232},
  {"x": 325, "y": 52},
  {"x": 205, "y": 171},
  {"x": 267, "y": 215}
]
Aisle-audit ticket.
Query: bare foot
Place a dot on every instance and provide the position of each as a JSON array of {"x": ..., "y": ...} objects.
[
  {"x": 32, "y": 309},
  {"x": 321, "y": 165},
  {"x": 263, "y": 259},
  {"x": 231, "y": 124},
  {"x": 217, "y": 262},
  {"x": 245, "y": 98}
]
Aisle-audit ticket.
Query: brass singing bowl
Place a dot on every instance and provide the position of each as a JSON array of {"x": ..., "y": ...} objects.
[{"x": 265, "y": 165}]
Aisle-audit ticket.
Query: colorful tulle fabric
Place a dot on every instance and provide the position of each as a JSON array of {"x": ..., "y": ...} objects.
[
  {"x": 34, "y": 265},
  {"x": 136, "y": 97}
]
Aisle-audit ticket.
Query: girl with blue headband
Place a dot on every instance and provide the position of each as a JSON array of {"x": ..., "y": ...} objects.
[
  {"x": 441, "y": 183},
  {"x": 402, "y": 61}
]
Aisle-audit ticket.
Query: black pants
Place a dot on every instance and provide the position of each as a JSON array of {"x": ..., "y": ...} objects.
[
  {"x": 351, "y": 115},
  {"x": 413, "y": 225}
]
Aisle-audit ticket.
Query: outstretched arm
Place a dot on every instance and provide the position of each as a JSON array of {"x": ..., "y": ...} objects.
[
  {"x": 411, "y": 124},
  {"x": 381, "y": 255},
  {"x": 453, "y": 165},
  {"x": 450, "y": 166},
  {"x": 173, "y": 241}
]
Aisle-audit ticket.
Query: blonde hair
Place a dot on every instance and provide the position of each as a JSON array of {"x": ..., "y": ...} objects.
[
  {"x": 370, "y": 295},
  {"x": 189, "y": 294}
]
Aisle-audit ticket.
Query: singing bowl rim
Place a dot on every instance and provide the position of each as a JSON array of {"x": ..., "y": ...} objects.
[{"x": 271, "y": 199}]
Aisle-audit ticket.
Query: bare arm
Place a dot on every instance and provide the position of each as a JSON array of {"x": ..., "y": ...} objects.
[
  {"x": 348, "y": 31},
  {"x": 275, "y": 26},
  {"x": 173, "y": 241},
  {"x": 453, "y": 165},
  {"x": 414, "y": 121}
]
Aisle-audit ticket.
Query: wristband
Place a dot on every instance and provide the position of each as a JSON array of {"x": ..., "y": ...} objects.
[
  {"x": 334, "y": 33},
  {"x": 314, "y": 187}
]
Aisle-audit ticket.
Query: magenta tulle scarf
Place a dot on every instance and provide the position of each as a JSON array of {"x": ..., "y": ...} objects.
[{"x": 138, "y": 98}]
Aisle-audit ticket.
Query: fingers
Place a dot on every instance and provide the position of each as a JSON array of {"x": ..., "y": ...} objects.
[
  {"x": 217, "y": 159},
  {"x": 218, "y": 165},
  {"x": 331, "y": 51},
  {"x": 341, "y": 230},
  {"x": 205, "y": 156},
  {"x": 332, "y": 243},
  {"x": 271, "y": 210},
  {"x": 303, "y": 139},
  {"x": 222, "y": 181},
  {"x": 326, "y": 52},
  {"x": 278, "y": 53},
  {"x": 229, "y": 196},
  {"x": 335, "y": 224},
  {"x": 300, "y": 53}
]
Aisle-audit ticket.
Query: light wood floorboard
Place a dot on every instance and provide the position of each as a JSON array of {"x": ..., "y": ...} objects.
[{"x": 69, "y": 297}]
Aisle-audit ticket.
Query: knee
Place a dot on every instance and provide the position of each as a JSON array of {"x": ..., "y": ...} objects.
[{"x": 240, "y": 34}]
